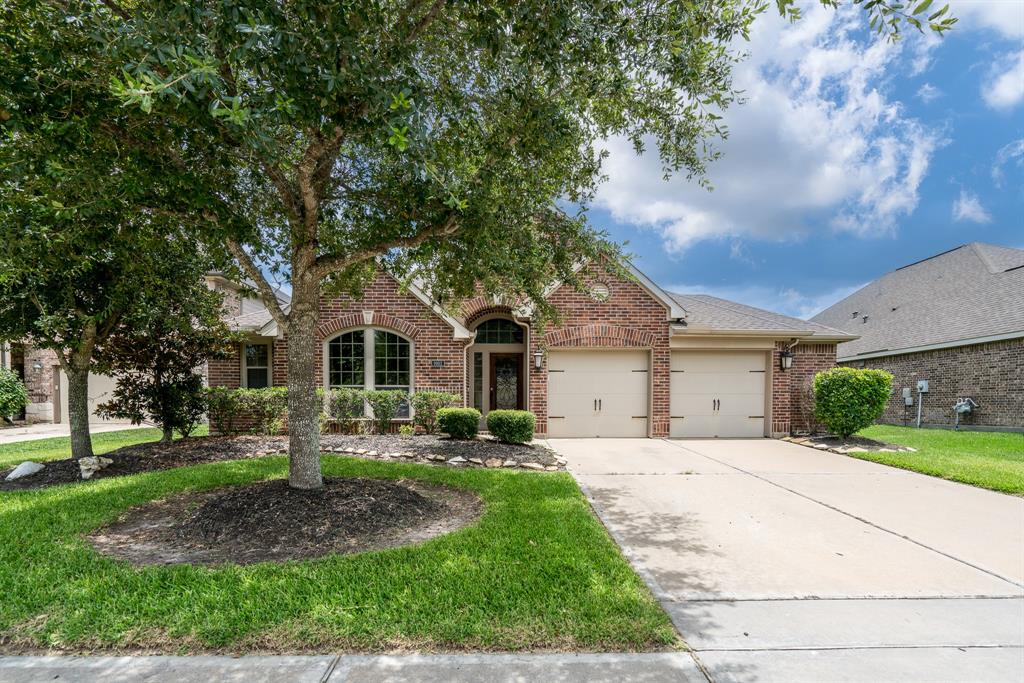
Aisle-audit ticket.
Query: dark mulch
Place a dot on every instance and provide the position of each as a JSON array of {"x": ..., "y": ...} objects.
[
  {"x": 268, "y": 521},
  {"x": 147, "y": 457}
]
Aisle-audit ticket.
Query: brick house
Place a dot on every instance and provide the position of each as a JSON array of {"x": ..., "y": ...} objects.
[
  {"x": 627, "y": 358},
  {"x": 955, "y": 320}
]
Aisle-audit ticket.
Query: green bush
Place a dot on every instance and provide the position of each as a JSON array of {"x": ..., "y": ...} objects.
[
  {"x": 267, "y": 408},
  {"x": 847, "y": 400},
  {"x": 346, "y": 407},
  {"x": 223, "y": 408},
  {"x": 425, "y": 405},
  {"x": 407, "y": 430},
  {"x": 13, "y": 396},
  {"x": 511, "y": 426},
  {"x": 459, "y": 423},
  {"x": 385, "y": 405}
]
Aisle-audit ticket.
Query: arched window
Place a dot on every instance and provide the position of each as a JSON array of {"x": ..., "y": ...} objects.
[
  {"x": 370, "y": 359},
  {"x": 499, "y": 331}
]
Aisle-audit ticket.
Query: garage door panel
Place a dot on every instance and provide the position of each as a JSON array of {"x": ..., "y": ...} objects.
[
  {"x": 616, "y": 380},
  {"x": 735, "y": 380}
]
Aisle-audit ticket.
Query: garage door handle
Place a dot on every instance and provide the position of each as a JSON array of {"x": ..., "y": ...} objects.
[
  {"x": 595, "y": 404},
  {"x": 599, "y": 404}
]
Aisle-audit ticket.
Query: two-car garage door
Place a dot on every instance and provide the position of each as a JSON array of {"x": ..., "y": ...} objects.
[{"x": 717, "y": 394}]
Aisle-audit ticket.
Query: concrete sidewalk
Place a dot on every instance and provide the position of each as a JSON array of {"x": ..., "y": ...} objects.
[
  {"x": 497, "y": 668},
  {"x": 48, "y": 430}
]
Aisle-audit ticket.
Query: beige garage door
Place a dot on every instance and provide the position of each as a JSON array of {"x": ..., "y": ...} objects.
[
  {"x": 718, "y": 393},
  {"x": 101, "y": 389},
  {"x": 597, "y": 393}
]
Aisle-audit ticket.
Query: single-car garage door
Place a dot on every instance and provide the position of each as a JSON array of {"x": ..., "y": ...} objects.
[
  {"x": 101, "y": 390},
  {"x": 718, "y": 393},
  {"x": 598, "y": 393}
]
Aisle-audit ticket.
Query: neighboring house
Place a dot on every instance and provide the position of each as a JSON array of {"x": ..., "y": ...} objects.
[
  {"x": 956, "y": 320},
  {"x": 627, "y": 360}
]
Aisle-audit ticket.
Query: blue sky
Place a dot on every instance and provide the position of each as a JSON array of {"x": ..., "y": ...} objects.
[{"x": 851, "y": 157}]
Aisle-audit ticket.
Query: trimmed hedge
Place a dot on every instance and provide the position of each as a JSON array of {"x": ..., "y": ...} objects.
[
  {"x": 223, "y": 408},
  {"x": 346, "y": 407},
  {"x": 425, "y": 405},
  {"x": 385, "y": 405},
  {"x": 13, "y": 396},
  {"x": 267, "y": 407},
  {"x": 511, "y": 426},
  {"x": 847, "y": 400},
  {"x": 459, "y": 423}
]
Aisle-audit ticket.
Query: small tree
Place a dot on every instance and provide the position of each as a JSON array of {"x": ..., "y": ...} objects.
[
  {"x": 155, "y": 353},
  {"x": 425, "y": 405},
  {"x": 848, "y": 400},
  {"x": 13, "y": 396}
]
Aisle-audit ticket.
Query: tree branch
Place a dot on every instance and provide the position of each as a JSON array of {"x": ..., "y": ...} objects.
[
  {"x": 325, "y": 265},
  {"x": 117, "y": 9},
  {"x": 266, "y": 291}
]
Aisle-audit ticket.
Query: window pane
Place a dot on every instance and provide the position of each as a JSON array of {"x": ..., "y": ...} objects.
[
  {"x": 345, "y": 360},
  {"x": 478, "y": 381},
  {"x": 499, "y": 331},
  {"x": 256, "y": 355},
  {"x": 391, "y": 361},
  {"x": 256, "y": 378}
]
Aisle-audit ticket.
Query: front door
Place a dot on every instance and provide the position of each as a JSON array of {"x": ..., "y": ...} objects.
[{"x": 506, "y": 381}]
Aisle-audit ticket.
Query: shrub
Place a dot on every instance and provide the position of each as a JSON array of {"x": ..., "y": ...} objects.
[
  {"x": 407, "y": 430},
  {"x": 223, "y": 407},
  {"x": 346, "y": 407},
  {"x": 13, "y": 396},
  {"x": 176, "y": 403},
  {"x": 267, "y": 407},
  {"x": 459, "y": 423},
  {"x": 425, "y": 405},
  {"x": 511, "y": 426},
  {"x": 847, "y": 400},
  {"x": 385, "y": 405}
]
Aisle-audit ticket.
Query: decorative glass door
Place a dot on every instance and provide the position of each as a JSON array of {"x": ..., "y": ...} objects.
[{"x": 506, "y": 381}]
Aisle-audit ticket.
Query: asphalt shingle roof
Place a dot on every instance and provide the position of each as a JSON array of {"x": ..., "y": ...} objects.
[
  {"x": 973, "y": 291},
  {"x": 709, "y": 312}
]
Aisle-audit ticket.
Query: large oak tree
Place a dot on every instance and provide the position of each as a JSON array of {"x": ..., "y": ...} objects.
[{"x": 435, "y": 138}]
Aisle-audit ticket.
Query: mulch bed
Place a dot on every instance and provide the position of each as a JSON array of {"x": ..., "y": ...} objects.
[
  {"x": 268, "y": 521},
  {"x": 428, "y": 449}
]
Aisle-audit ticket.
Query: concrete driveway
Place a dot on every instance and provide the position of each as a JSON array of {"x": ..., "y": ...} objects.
[{"x": 778, "y": 562}]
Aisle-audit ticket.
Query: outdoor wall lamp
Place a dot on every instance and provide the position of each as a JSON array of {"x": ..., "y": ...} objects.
[
  {"x": 538, "y": 359},
  {"x": 37, "y": 366},
  {"x": 786, "y": 360}
]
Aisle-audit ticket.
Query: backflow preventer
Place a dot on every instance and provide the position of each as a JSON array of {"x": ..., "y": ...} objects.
[{"x": 963, "y": 406}]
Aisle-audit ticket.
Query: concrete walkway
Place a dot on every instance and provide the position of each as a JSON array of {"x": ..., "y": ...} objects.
[
  {"x": 554, "y": 668},
  {"x": 778, "y": 562},
  {"x": 46, "y": 430}
]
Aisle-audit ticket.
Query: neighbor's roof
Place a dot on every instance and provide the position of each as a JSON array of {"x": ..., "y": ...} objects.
[
  {"x": 970, "y": 294},
  {"x": 711, "y": 314}
]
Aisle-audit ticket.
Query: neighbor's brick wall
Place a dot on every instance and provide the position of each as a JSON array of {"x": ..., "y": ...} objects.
[
  {"x": 631, "y": 318},
  {"x": 992, "y": 374}
]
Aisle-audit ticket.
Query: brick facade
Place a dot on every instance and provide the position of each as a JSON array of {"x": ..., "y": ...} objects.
[
  {"x": 992, "y": 374},
  {"x": 792, "y": 411},
  {"x": 630, "y": 317}
]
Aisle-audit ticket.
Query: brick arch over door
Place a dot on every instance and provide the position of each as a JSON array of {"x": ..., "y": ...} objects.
[
  {"x": 381, "y": 320},
  {"x": 603, "y": 336}
]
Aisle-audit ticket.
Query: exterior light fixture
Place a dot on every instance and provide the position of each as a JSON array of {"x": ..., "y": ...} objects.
[
  {"x": 538, "y": 359},
  {"x": 786, "y": 360},
  {"x": 37, "y": 366}
]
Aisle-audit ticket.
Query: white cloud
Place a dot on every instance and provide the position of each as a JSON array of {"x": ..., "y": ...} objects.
[
  {"x": 1012, "y": 152},
  {"x": 785, "y": 300},
  {"x": 967, "y": 207},
  {"x": 1005, "y": 17},
  {"x": 1004, "y": 88},
  {"x": 816, "y": 141},
  {"x": 928, "y": 93}
]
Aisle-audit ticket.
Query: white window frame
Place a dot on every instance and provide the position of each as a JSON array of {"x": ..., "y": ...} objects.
[
  {"x": 269, "y": 367},
  {"x": 370, "y": 361}
]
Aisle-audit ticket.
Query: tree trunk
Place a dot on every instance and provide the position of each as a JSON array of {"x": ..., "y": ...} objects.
[
  {"x": 168, "y": 435},
  {"x": 303, "y": 410},
  {"x": 78, "y": 411}
]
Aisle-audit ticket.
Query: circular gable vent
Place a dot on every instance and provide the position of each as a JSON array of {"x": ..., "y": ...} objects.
[{"x": 600, "y": 292}]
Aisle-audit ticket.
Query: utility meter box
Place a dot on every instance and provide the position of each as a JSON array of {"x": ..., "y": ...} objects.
[
  {"x": 908, "y": 396},
  {"x": 922, "y": 386}
]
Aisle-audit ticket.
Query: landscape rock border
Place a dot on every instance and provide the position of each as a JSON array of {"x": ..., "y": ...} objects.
[{"x": 856, "y": 445}]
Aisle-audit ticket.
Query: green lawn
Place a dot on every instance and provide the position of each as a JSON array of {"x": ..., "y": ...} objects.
[
  {"x": 537, "y": 572},
  {"x": 59, "y": 447},
  {"x": 992, "y": 460}
]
